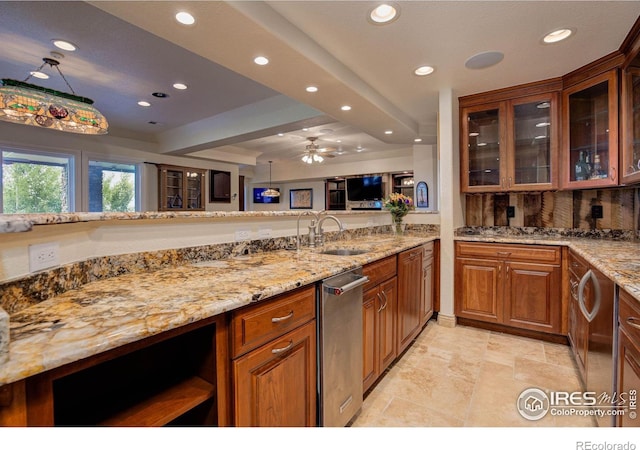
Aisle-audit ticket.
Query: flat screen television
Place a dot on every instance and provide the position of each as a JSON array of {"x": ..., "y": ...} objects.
[
  {"x": 259, "y": 198},
  {"x": 365, "y": 188}
]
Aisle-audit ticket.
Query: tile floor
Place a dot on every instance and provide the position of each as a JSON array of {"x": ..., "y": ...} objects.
[{"x": 463, "y": 376}]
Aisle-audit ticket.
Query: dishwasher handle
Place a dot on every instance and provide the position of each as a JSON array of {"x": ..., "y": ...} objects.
[
  {"x": 339, "y": 290},
  {"x": 598, "y": 297}
]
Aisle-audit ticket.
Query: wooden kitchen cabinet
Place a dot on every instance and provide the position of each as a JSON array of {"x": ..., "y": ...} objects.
[
  {"x": 274, "y": 365},
  {"x": 13, "y": 405},
  {"x": 510, "y": 138},
  {"x": 180, "y": 188},
  {"x": 515, "y": 285},
  {"x": 628, "y": 355},
  {"x": 409, "y": 297},
  {"x": 379, "y": 315},
  {"x": 590, "y": 132},
  {"x": 630, "y": 124},
  {"x": 427, "y": 297},
  {"x": 379, "y": 318},
  {"x": 336, "y": 194},
  {"x": 179, "y": 377}
]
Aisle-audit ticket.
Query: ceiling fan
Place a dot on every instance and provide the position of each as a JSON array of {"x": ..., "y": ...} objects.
[{"x": 314, "y": 154}]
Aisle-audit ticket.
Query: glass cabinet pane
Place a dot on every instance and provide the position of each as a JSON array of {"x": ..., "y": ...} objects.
[
  {"x": 175, "y": 183},
  {"x": 632, "y": 147},
  {"x": 484, "y": 147},
  {"x": 589, "y": 133},
  {"x": 532, "y": 143},
  {"x": 193, "y": 191}
]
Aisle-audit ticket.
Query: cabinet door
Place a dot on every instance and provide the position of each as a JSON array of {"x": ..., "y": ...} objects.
[
  {"x": 532, "y": 298},
  {"x": 275, "y": 385},
  {"x": 590, "y": 132},
  {"x": 482, "y": 144},
  {"x": 426, "y": 303},
  {"x": 628, "y": 374},
  {"x": 478, "y": 289},
  {"x": 409, "y": 290},
  {"x": 532, "y": 141},
  {"x": 386, "y": 323},
  {"x": 630, "y": 126},
  {"x": 369, "y": 338}
]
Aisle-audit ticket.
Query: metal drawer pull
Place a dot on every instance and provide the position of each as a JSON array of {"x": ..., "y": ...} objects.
[
  {"x": 283, "y": 349},
  {"x": 280, "y": 319},
  {"x": 634, "y": 322}
]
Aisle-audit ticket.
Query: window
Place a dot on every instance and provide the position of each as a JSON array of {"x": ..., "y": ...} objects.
[
  {"x": 35, "y": 182},
  {"x": 113, "y": 187}
]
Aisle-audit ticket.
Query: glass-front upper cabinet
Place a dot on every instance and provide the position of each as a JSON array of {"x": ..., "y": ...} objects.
[
  {"x": 630, "y": 141},
  {"x": 180, "y": 188},
  {"x": 482, "y": 141},
  {"x": 511, "y": 145},
  {"x": 533, "y": 143},
  {"x": 590, "y": 133}
]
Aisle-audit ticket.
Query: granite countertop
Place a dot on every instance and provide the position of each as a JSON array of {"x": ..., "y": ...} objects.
[
  {"x": 109, "y": 313},
  {"x": 618, "y": 260}
]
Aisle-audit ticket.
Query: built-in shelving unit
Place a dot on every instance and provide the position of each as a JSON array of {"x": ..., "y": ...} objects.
[{"x": 336, "y": 194}]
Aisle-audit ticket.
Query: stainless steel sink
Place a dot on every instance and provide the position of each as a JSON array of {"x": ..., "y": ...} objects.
[{"x": 343, "y": 251}]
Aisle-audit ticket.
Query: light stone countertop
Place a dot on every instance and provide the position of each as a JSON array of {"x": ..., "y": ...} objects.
[{"x": 109, "y": 313}]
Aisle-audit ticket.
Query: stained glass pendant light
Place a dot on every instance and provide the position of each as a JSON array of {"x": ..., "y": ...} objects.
[
  {"x": 29, "y": 104},
  {"x": 270, "y": 192}
]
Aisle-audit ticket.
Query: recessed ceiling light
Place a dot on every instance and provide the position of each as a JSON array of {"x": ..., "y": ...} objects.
[
  {"x": 384, "y": 13},
  {"x": 305, "y": 129},
  {"x": 180, "y": 86},
  {"x": 339, "y": 140},
  {"x": 65, "y": 45},
  {"x": 484, "y": 60},
  {"x": 185, "y": 18},
  {"x": 417, "y": 140},
  {"x": 423, "y": 70},
  {"x": 388, "y": 132},
  {"x": 557, "y": 36},
  {"x": 345, "y": 108},
  {"x": 280, "y": 134},
  {"x": 261, "y": 61},
  {"x": 41, "y": 75},
  {"x": 143, "y": 103},
  {"x": 359, "y": 149},
  {"x": 312, "y": 89}
]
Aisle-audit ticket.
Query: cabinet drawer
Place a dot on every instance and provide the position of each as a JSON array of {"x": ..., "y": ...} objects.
[
  {"x": 512, "y": 252},
  {"x": 629, "y": 315},
  {"x": 257, "y": 324},
  {"x": 379, "y": 271}
]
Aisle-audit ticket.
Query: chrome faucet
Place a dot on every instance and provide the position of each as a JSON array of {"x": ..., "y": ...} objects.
[
  {"x": 312, "y": 229},
  {"x": 320, "y": 232}
]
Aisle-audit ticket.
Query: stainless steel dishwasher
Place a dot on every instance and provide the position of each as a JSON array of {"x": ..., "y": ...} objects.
[{"x": 340, "y": 348}]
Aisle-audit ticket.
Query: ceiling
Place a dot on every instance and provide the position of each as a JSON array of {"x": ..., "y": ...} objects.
[{"x": 234, "y": 109}]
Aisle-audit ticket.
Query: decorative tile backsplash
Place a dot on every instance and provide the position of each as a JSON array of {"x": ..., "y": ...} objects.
[{"x": 620, "y": 208}]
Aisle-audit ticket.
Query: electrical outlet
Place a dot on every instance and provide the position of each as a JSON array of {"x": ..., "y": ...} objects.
[
  {"x": 596, "y": 212},
  {"x": 243, "y": 235},
  {"x": 43, "y": 256}
]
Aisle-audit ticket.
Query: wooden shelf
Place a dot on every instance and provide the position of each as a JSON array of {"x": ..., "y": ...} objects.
[{"x": 166, "y": 406}]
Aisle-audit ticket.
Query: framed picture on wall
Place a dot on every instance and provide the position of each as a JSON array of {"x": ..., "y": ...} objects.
[
  {"x": 301, "y": 198},
  {"x": 422, "y": 195}
]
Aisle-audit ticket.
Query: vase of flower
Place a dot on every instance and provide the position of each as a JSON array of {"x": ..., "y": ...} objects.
[{"x": 399, "y": 206}]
